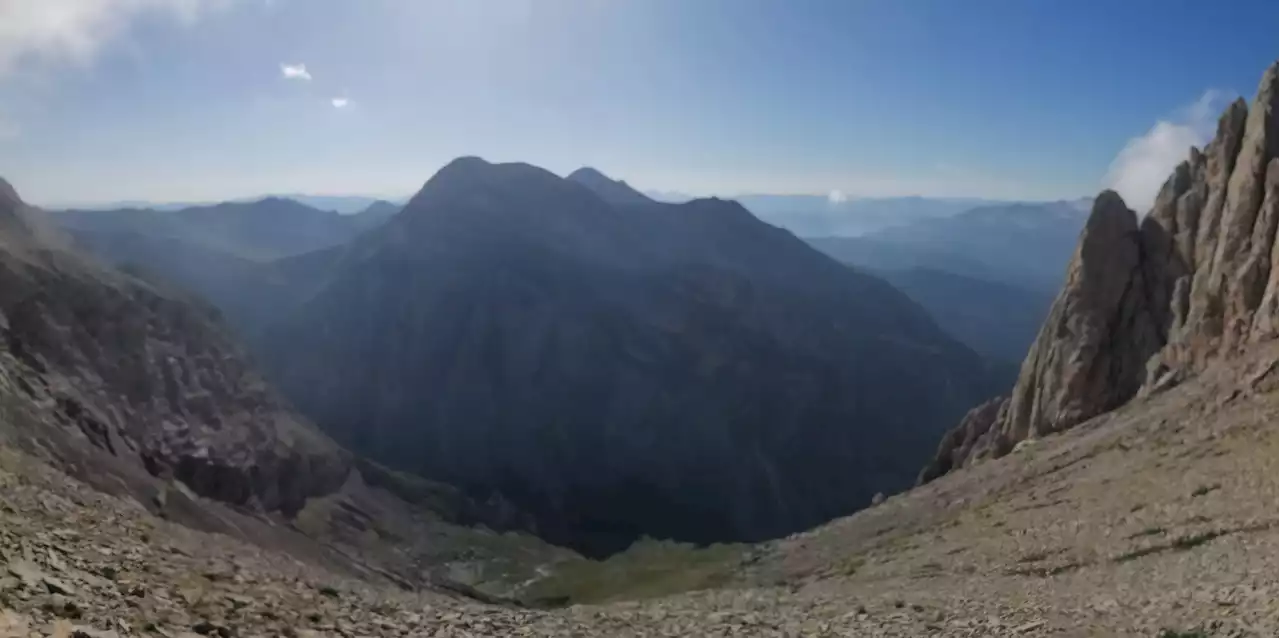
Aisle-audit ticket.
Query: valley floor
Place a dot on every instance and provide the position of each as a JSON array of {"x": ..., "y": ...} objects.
[{"x": 1157, "y": 517}]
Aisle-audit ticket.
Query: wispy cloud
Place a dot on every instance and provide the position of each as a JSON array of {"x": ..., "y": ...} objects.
[
  {"x": 837, "y": 197},
  {"x": 295, "y": 72},
  {"x": 75, "y": 31},
  {"x": 1146, "y": 161},
  {"x": 340, "y": 102}
]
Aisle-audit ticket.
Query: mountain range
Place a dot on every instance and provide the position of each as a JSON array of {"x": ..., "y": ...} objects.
[
  {"x": 342, "y": 204},
  {"x": 839, "y": 216},
  {"x": 600, "y": 278},
  {"x": 1024, "y": 245},
  {"x": 621, "y": 370},
  {"x": 987, "y": 274},
  {"x": 260, "y": 230}
]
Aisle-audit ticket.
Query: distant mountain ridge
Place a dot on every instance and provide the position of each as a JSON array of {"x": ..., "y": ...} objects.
[
  {"x": 1023, "y": 244},
  {"x": 260, "y": 230},
  {"x": 819, "y": 215},
  {"x": 342, "y": 204},
  {"x": 223, "y": 253}
]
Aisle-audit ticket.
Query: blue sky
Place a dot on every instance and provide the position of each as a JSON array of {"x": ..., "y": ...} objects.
[{"x": 1025, "y": 99}]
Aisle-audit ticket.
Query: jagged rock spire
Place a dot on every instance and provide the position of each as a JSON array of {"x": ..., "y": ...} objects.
[{"x": 1149, "y": 303}]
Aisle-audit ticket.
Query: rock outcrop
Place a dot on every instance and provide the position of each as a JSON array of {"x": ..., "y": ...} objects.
[
  {"x": 90, "y": 355},
  {"x": 1147, "y": 304}
]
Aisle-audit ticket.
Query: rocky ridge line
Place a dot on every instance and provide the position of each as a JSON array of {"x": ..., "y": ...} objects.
[{"x": 1147, "y": 303}]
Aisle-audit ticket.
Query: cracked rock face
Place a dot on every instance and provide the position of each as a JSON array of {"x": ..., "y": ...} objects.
[
  {"x": 95, "y": 361},
  {"x": 1146, "y": 303}
]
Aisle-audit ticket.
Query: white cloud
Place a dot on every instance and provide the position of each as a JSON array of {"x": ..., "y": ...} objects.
[
  {"x": 295, "y": 72},
  {"x": 1145, "y": 162},
  {"x": 837, "y": 197},
  {"x": 340, "y": 102},
  {"x": 74, "y": 31}
]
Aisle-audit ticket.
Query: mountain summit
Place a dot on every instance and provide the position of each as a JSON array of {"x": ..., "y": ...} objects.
[
  {"x": 610, "y": 190},
  {"x": 681, "y": 371}
]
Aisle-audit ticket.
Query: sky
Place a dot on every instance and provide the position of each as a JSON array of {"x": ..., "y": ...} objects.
[{"x": 198, "y": 100}]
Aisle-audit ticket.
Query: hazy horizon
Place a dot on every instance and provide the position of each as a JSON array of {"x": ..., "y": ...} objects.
[
  {"x": 402, "y": 197},
  {"x": 111, "y": 100}
]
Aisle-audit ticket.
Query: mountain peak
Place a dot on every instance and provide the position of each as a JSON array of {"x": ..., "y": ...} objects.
[
  {"x": 465, "y": 177},
  {"x": 614, "y": 191},
  {"x": 586, "y": 173}
]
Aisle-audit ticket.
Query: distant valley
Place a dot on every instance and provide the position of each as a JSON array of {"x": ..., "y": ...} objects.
[{"x": 1022, "y": 244}]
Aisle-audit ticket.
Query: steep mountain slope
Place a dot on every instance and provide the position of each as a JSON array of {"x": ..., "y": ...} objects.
[
  {"x": 260, "y": 230},
  {"x": 147, "y": 377},
  {"x": 1146, "y": 304},
  {"x": 1153, "y": 520},
  {"x": 674, "y": 370},
  {"x": 997, "y": 320},
  {"x": 138, "y": 391},
  {"x": 1025, "y": 245},
  {"x": 610, "y": 190}
]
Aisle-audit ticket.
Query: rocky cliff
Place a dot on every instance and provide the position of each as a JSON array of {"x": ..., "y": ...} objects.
[
  {"x": 94, "y": 355},
  {"x": 1148, "y": 302}
]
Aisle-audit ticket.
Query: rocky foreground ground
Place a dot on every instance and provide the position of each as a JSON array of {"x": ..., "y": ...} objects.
[{"x": 1154, "y": 520}]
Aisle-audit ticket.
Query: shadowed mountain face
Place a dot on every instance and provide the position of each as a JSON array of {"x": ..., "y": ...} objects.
[
  {"x": 997, "y": 320},
  {"x": 674, "y": 370},
  {"x": 1025, "y": 245}
]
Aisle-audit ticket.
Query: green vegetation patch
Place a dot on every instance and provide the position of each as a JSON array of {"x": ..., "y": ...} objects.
[
  {"x": 1194, "y": 633},
  {"x": 647, "y": 569}
]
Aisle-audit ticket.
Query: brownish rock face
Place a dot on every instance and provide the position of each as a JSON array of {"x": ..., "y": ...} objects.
[{"x": 1146, "y": 303}]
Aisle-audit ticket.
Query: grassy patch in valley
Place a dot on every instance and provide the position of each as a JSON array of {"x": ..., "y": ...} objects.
[{"x": 647, "y": 569}]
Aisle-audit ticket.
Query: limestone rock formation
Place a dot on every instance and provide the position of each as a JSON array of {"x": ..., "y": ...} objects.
[
  {"x": 1147, "y": 304},
  {"x": 1092, "y": 349},
  {"x": 963, "y": 441}
]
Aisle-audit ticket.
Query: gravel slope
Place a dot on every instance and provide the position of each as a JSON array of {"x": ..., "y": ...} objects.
[{"x": 1157, "y": 516}]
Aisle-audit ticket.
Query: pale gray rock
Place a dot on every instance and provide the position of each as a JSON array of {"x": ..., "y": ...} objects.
[
  {"x": 1149, "y": 304},
  {"x": 1091, "y": 353}
]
